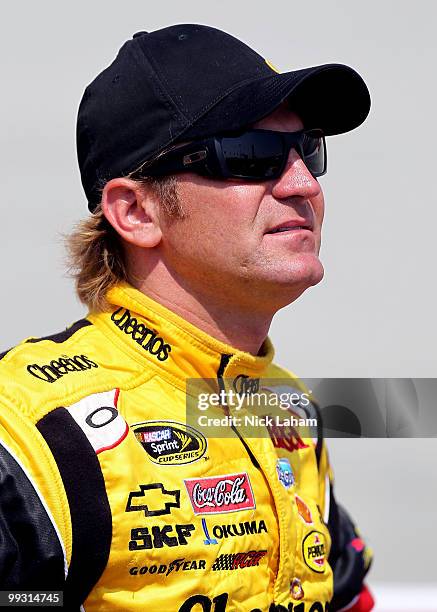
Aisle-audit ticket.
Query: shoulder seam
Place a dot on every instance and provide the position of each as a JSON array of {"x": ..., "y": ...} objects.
[
  {"x": 62, "y": 336},
  {"x": 66, "y": 335}
]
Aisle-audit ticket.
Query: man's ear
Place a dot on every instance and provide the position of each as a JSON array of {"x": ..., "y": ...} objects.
[{"x": 132, "y": 210}]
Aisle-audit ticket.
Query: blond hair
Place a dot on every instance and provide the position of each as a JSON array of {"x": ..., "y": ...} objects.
[{"x": 96, "y": 258}]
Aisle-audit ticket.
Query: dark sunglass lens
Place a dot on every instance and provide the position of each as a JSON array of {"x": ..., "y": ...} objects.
[
  {"x": 258, "y": 156},
  {"x": 314, "y": 153}
]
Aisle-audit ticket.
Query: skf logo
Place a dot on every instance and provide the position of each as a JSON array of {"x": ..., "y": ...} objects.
[
  {"x": 153, "y": 499},
  {"x": 238, "y": 560},
  {"x": 145, "y": 538},
  {"x": 169, "y": 442},
  {"x": 314, "y": 551},
  {"x": 228, "y": 493}
]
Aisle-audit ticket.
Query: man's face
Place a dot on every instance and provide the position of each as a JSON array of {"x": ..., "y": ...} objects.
[{"x": 225, "y": 246}]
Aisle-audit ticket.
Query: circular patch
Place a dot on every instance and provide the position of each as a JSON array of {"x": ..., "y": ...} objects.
[{"x": 314, "y": 551}]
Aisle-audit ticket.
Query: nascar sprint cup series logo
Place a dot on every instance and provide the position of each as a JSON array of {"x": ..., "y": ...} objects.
[{"x": 169, "y": 442}]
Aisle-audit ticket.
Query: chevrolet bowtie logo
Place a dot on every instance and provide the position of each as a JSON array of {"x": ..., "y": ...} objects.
[{"x": 153, "y": 499}]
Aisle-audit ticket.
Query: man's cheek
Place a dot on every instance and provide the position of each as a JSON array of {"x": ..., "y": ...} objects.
[{"x": 318, "y": 204}]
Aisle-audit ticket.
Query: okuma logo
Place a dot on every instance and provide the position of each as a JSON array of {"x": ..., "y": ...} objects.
[
  {"x": 232, "y": 530},
  {"x": 169, "y": 442}
]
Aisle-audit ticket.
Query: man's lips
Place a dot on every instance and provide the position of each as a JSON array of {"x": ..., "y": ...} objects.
[{"x": 291, "y": 225}]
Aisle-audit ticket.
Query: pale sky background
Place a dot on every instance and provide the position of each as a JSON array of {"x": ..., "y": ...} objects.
[{"x": 374, "y": 313}]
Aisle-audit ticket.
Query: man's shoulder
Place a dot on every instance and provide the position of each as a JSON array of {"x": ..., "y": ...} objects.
[
  {"x": 41, "y": 374},
  {"x": 50, "y": 357}
]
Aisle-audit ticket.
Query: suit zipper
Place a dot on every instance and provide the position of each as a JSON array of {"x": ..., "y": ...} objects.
[{"x": 224, "y": 360}]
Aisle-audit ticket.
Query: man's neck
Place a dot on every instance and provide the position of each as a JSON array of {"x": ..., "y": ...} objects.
[{"x": 242, "y": 330}]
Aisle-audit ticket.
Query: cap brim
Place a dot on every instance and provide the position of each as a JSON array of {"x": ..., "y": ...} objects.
[{"x": 332, "y": 97}]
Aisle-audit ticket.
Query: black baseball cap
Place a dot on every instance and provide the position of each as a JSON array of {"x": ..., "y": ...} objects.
[{"x": 192, "y": 81}]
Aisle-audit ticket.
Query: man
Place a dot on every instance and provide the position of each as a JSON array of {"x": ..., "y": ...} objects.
[{"x": 200, "y": 164}]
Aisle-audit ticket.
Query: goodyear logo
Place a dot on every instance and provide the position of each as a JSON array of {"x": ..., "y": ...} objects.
[
  {"x": 169, "y": 442},
  {"x": 314, "y": 551}
]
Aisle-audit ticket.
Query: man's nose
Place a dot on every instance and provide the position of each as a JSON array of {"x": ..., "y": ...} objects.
[{"x": 296, "y": 180}]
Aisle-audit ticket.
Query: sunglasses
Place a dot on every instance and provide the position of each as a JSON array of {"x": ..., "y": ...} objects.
[{"x": 256, "y": 155}]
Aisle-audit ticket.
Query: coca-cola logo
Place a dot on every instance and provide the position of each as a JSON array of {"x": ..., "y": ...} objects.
[
  {"x": 224, "y": 493},
  {"x": 219, "y": 494}
]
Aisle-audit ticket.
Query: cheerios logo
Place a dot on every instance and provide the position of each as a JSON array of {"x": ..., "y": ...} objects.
[{"x": 57, "y": 368}]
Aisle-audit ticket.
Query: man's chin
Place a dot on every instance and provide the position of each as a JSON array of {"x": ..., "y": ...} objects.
[
  {"x": 290, "y": 283},
  {"x": 306, "y": 271}
]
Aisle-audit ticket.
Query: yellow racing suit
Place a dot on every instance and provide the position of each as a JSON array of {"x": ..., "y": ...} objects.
[{"x": 110, "y": 495}]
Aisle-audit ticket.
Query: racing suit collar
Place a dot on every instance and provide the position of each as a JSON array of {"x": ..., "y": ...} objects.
[{"x": 151, "y": 332}]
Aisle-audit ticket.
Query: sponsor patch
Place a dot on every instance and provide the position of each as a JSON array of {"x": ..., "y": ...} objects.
[
  {"x": 146, "y": 337},
  {"x": 286, "y": 437},
  {"x": 285, "y": 473},
  {"x": 304, "y": 511},
  {"x": 145, "y": 538},
  {"x": 314, "y": 551},
  {"x": 178, "y": 565},
  {"x": 243, "y": 384},
  {"x": 57, "y": 368},
  {"x": 99, "y": 419},
  {"x": 153, "y": 499},
  {"x": 296, "y": 589},
  {"x": 236, "y": 529},
  {"x": 220, "y": 494},
  {"x": 169, "y": 442},
  {"x": 236, "y": 561}
]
